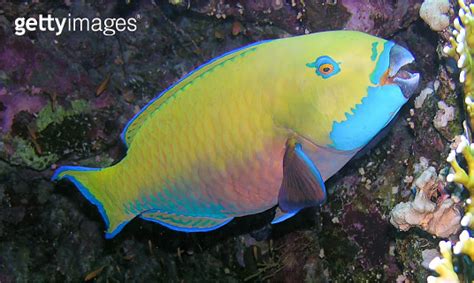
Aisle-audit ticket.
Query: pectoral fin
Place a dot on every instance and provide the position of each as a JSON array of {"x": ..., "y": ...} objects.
[{"x": 302, "y": 184}]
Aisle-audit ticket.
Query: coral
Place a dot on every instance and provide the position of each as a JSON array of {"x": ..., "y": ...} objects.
[
  {"x": 462, "y": 41},
  {"x": 464, "y": 178},
  {"x": 447, "y": 267},
  {"x": 49, "y": 115},
  {"x": 440, "y": 219},
  {"x": 41, "y": 149},
  {"x": 420, "y": 99},
  {"x": 455, "y": 265},
  {"x": 465, "y": 245},
  {"x": 25, "y": 155},
  {"x": 443, "y": 266},
  {"x": 434, "y": 13},
  {"x": 444, "y": 115}
]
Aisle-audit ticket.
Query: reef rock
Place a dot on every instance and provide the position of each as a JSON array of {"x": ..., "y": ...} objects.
[
  {"x": 440, "y": 219},
  {"x": 376, "y": 16}
]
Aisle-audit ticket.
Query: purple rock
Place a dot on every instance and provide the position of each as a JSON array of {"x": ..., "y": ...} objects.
[
  {"x": 15, "y": 102},
  {"x": 380, "y": 17}
]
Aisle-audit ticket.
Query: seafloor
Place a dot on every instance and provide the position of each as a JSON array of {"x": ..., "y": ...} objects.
[{"x": 65, "y": 100}]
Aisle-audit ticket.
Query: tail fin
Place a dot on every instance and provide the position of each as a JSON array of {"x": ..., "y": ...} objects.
[{"x": 92, "y": 183}]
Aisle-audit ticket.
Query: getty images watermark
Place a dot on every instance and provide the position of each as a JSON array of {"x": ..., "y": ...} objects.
[{"x": 108, "y": 26}]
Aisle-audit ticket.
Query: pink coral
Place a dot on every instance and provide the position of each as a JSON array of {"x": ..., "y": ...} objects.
[{"x": 440, "y": 219}]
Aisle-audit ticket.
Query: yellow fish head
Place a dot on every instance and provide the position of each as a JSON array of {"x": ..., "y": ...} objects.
[{"x": 350, "y": 86}]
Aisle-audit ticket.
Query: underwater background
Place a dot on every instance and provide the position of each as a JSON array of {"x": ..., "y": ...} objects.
[{"x": 65, "y": 99}]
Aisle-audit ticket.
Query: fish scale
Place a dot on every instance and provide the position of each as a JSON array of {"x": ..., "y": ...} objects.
[{"x": 202, "y": 140}]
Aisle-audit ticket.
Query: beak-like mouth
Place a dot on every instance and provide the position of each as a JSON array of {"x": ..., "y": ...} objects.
[{"x": 399, "y": 71}]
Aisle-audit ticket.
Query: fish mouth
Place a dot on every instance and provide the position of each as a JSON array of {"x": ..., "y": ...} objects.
[{"x": 400, "y": 71}]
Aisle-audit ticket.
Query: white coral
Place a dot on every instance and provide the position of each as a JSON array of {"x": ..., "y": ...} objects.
[
  {"x": 441, "y": 219},
  {"x": 434, "y": 13},
  {"x": 444, "y": 115}
]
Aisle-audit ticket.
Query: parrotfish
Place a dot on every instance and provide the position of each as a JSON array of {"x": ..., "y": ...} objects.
[{"x": 260, "y": 127}]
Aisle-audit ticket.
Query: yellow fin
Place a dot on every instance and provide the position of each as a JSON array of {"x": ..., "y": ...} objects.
[
  {"x": 90, "y": 182},
  {"x": 139, "y": 119}
]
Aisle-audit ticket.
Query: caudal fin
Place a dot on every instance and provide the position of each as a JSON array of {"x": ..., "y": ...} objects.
[{"x": 92, "y": 183}]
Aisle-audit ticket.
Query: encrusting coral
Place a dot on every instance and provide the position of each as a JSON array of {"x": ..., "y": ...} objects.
[
  {"x": 440, "y": 219},
  {"x": 448, "y": 269}
]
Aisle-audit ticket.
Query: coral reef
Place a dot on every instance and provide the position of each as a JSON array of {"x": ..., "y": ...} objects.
[
  {"x": 440, "y": 219},
  {"x": 456, "y": 263},
  {"x": 377, "y": 16},
  {"x": 81, "y": 90}
]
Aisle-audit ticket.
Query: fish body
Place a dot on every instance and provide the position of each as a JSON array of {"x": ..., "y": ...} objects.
[{"x": 259, "y": 127}]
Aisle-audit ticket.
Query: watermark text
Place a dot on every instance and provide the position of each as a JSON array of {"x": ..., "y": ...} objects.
[{"x": 107, "y": 26}]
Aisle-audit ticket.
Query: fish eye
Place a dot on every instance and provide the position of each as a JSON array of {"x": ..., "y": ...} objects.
[{"x": 325, "y": 67}]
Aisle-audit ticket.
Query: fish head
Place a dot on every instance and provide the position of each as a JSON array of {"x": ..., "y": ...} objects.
[{"x": 353, "y": 87}]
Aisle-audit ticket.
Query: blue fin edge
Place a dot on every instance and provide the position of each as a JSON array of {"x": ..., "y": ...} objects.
[
  {"x": 284, "y": 217},
  {"x": 85, "y": 192},
  {"x": 122, "y": 135},
  {"x": 299, "y": 151},
  {"x": 61, "y": 169},
  {"x": 187, "y": 230}
]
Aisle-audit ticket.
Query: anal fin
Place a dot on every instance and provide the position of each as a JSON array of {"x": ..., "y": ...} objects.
[
  {"x": 185, "y": 223},
  {"x": 302, "y": 184}
]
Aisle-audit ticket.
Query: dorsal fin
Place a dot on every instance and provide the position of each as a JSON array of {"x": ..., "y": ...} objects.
[{"x": 137, "y": 121}]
